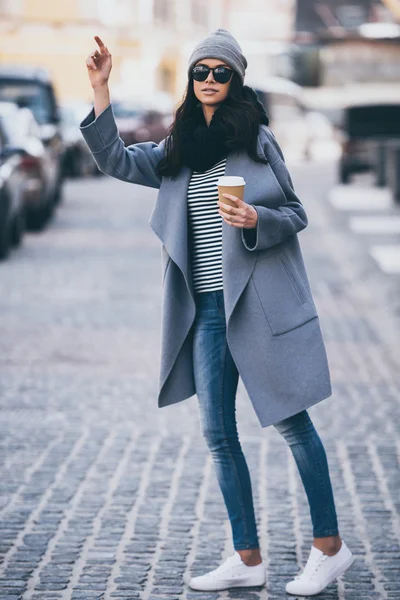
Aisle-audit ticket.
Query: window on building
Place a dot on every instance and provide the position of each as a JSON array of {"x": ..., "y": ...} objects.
[
  {"x": 163, "y": 10},
  {"x": 199, "y": 12},
  {"x": 10, "y": 7},
  {"x": 166, "y": 79}
]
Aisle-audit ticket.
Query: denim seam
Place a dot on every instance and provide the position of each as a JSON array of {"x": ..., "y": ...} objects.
[
  {"x": 305, "y": 429},
  {"x": 232, "y": 458},
  {"x": 322, "y": 483},
  {"x": 325, "y": 494}
]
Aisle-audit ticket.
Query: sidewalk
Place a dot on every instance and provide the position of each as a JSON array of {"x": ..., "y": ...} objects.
[{"x": 103, "y": 494}]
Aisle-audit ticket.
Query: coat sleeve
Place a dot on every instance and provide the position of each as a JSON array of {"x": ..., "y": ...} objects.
[
  {"x": 274, "y": 225},
  {"x": 135, "y": 163}
]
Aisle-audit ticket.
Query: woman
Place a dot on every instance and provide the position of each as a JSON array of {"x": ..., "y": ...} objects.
[{"x": 237, "y": 300}]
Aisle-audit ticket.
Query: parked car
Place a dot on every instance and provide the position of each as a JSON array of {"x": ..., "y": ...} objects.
[
  {"x": 13, "y": 178},
  {"x": 284, "y": 103},
  {"x": 23, "y": 135},
  {"x": 32, "y": 88},
  {"x": 77, "y": 159},
  {"x": 365, "y": 127},
  {"x": 138, "y": 124}
]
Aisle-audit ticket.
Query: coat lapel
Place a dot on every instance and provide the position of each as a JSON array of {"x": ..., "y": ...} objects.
[
  {"x": 169, "y": 221},
  {"x": 237, "y": 261}
]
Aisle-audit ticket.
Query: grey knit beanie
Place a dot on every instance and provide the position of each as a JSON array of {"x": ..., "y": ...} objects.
[{"x": 220, "y": 44}]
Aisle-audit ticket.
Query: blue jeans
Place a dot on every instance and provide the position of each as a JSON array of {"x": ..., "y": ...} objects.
[{"x": 216, "y": 378}]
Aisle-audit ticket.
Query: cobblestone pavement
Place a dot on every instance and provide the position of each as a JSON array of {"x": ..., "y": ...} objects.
[{"x": 103, "y": 494}]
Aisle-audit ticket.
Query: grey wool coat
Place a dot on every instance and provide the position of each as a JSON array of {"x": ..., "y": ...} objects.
[{"x": 272, "y": 326}]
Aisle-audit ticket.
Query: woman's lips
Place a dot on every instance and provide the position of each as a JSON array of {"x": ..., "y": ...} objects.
[{"x": 209, "y": 92}]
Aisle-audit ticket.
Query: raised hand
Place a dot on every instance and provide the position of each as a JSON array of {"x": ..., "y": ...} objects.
[{"x": 99, "y": 64}]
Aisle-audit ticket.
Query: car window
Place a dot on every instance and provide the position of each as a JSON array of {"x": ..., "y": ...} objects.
[
  {"x": 21, "y": 126},
  {"x": 73, "y": 115},
  {"x": 125, "y": 110},
  {"x": 2, "y": 139},
  {"x": 380, "y": 120},
  {"x": 284, "y": 107},
  {"x": 30, "y": 94},
  {"x": 6, "y": 130},
  {"x": 68, "y": 115}
]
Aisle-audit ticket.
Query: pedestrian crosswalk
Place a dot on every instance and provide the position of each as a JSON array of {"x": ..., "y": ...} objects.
[
  {"x": 375, "y": 225},
  {"x": 372, "y": 213},
  {"x": 360, "y": 198},
  {"x": 388, "y": 257}
]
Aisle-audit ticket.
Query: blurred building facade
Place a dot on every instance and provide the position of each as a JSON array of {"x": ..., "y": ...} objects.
[
  {"x": 150, "y": 40},
  {"x": 264, "y": 29},
  {"x": 346, "y": 41},
  {"x": 312, "y": 42}
]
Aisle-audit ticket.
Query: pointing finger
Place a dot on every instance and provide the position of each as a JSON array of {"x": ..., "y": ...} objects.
[
  {"x": 99, "y": 41},
  {"x": 102, "y": 46}
]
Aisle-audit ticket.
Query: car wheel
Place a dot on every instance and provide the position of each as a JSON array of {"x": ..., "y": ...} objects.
[
  {"x": 76, "y": 165},
  {"x": 344, "y": 175},
  {"x": 58, "y": 192},
  {"x": 5, "y": 226},
  {"x": 36, "y": 220},
  {"x": 5, "y": 239},
  {"x": 71, "y": 166},
  {"x": 18, "y": 228}
]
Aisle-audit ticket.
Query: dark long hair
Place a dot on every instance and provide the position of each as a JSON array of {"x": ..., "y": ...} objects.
[{"x": 242, "y": 114}]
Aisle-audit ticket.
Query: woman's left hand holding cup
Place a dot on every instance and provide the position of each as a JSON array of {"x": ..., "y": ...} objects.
[{"x": 242, "y": 215}]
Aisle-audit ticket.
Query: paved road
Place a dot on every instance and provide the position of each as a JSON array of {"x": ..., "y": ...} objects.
[{"x": 103, "y": 494}]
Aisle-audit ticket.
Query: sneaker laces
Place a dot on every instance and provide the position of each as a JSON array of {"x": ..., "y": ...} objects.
[{"x": 310, "y": 571}]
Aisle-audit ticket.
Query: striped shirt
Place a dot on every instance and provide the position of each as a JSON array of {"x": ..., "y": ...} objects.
[{"x": 206, "y": 228}]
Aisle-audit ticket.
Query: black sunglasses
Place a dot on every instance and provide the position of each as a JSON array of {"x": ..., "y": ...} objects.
[{"x": 221, "y": 74}]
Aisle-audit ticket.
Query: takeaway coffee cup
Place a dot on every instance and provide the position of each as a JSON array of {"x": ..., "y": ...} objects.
[{"x": 230, "y": 184}]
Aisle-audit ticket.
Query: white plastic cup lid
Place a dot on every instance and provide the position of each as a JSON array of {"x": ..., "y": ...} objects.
[{"x": 231, "y": 180}]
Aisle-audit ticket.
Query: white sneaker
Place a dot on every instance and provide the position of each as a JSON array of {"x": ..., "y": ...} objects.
[
  {"x": 232, "y": 573},
  {"x": 320, "y": 570}
]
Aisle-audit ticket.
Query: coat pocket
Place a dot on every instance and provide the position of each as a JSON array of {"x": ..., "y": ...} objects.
[{"x": 284, "y": 297}]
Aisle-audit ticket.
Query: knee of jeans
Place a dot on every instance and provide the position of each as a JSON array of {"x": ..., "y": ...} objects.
[
  {"x": 212, "y": 435},
  {"x": 296, "y": 427},
  {"x": 218, "y": 439}
]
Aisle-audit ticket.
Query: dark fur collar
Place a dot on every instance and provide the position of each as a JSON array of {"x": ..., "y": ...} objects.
[{"x": 202, "y": 146}]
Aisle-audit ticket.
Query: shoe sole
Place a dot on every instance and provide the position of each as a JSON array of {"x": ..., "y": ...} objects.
[
  {"x": 339, "y": 571},
  {"x": 227, "y": 587}
]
